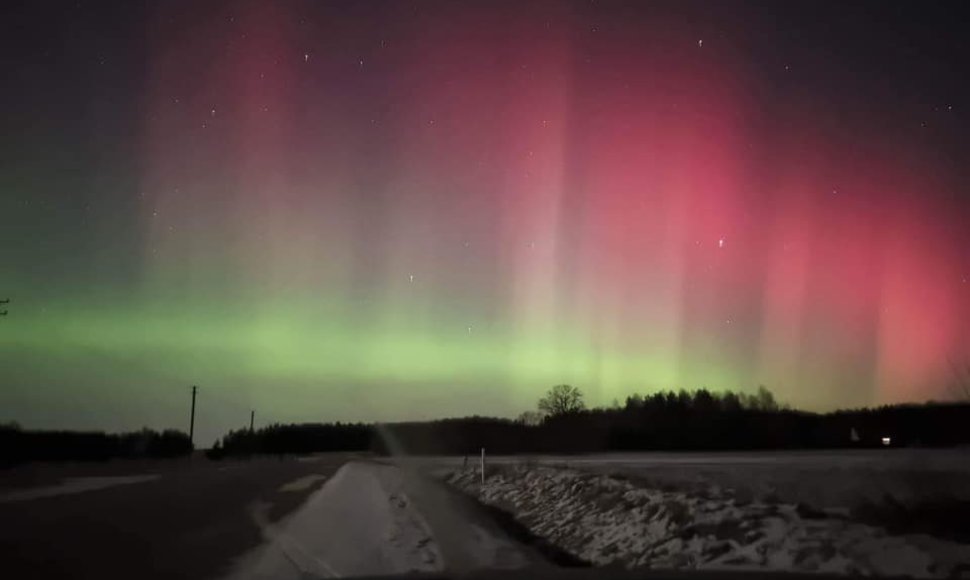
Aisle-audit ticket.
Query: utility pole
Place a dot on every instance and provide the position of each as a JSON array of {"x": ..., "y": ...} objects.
[
  {"x": 2, "y": 302},
  {"x": 252, "y": 419},
  {"x": 192, "y": 417}
]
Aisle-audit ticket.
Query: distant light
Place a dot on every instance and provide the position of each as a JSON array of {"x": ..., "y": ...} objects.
[{"x": 886, "y": 440}]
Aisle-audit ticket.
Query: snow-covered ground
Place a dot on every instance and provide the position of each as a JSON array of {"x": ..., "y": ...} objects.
[
  {"x": 772, "y": 511},
  {"x": 74, "y": 485},
  {"x": 673, "y": 519},
  {"x": 844, "y": 480},
  {"x": 378, "y": 519}
]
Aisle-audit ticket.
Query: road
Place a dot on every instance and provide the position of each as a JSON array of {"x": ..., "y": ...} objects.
[{"x": 166, "y": 519}]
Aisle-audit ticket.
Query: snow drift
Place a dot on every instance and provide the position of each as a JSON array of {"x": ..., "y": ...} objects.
[{"x": 605, "y": 519}]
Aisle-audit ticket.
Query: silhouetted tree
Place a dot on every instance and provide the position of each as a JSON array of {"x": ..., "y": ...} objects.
[
  {"x": 634, "y": 401},
  {"x": 531, "y": 418},
  {"x": 763, "y": 400},
  {"x": 19, "y": 445},
  {"x": 562, "y": 400},
  {"x": 670, "y": 420}
]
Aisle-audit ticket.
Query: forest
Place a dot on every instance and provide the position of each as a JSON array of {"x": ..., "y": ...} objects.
[{"x": 666, "y": 421}]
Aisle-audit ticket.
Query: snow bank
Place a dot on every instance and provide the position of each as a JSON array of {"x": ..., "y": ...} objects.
[
  {"x": 609, "y": 520},
  {"x": 376, "y": 519}
]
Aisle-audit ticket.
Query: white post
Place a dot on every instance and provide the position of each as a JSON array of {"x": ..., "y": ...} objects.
[{"x": 483, "y": 466}]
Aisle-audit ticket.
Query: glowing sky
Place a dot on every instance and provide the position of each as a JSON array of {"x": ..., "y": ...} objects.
[{"x": 413, "y": 209}]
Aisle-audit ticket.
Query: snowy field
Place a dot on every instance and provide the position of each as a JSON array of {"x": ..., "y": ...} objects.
[
  {"x": 609, "y": 520},
  {"x": 770, "y": 511},
  {"x": 830, "y": 480},
  {"x": 833, "y": 512}
]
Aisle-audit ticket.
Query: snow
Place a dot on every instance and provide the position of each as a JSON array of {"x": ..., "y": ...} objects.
[
  {"x": 303, "y": 483},
  {"x": 607, "y": 519},
  {"x": 832, "y": 481},
  {"x": 73, "y": 485},
  {"x": 378, "y": 519}
]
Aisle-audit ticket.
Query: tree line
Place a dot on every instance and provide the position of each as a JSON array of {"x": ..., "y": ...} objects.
[
  {"x": 681, "y": 420},
  {"x": 561, "y": 423},
  {"x": 21, "y": 445}
]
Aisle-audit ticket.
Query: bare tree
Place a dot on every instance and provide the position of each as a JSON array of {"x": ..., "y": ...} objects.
[
  {"x": 562, "y": 400},
  {"x": 531, "y": 418}
]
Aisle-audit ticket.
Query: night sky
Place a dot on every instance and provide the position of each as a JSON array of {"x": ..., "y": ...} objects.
[{"x": 405, "y": 210}]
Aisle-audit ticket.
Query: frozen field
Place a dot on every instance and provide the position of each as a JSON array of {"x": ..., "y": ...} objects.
[
  {"x": 806, "y": 512},
  {"x": 877, "y": 512},
  {"x": 821, "y": 479}
]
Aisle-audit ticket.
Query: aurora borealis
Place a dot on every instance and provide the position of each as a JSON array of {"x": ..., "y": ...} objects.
[{"x": 400, "y": 210}]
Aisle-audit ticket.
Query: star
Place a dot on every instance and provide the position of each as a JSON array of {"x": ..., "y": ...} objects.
[
  {"x": 212, "y": 113},
  {"x": 720, "y": 243},
  {"x": 700, "y": 43},
  {"x": 410, "y": 277},
  {"x": 469, "y": 330},
  {"x": 306, "y": 57}
]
